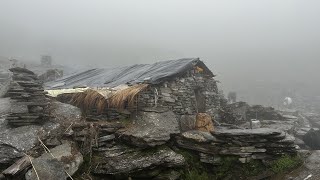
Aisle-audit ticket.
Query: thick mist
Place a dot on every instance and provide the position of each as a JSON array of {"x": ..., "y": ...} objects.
[{"x": 264, "y": 50}]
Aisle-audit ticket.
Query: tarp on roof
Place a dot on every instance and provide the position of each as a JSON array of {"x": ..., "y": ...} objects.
[{"x": 112, "y": 77}]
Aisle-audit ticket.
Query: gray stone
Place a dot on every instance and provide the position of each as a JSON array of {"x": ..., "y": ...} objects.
[
  {"x": 187, "y": 122},
  {"x": 246, "y": 144},
  {"x": 246, "y": 132},
  {"x": 8, "y": 154},
  {"x": 313, "y": 161},
  {"x": 151, "y": 129},
  {"x": 65, "y": 112},
  {"x": 22, "y": 138},
  {"x": 107, "y": 138},
  {"x": 36, "y": 109},
  {"x": 126, "y": 160},
  {"x": 48, "y": 169},
  {"x": 168, "y": 99},
  {"x": 312, "y": 139},
  {"x": 166, "y": 94},
  {"x": 199, "y": 136},
  {"x": 165, "y": 90},
  {"x": 63, "y": 158},
  {"x": 16, "y": 107}
]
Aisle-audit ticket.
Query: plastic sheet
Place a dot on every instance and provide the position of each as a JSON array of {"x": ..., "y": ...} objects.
[{"x": 112, "y": 77}]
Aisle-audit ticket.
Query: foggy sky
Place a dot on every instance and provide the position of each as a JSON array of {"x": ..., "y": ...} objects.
[{"x": 244, "y": 42}]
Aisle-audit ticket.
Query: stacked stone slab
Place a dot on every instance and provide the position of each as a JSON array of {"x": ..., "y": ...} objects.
[
  {"x": 245, "y": 144},
  {"x": 28, "y": 98},
  {"x": 4, "y": 81},
  {"x": 98, "y": 136}
]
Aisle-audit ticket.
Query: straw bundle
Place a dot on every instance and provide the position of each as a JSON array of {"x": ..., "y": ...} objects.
[
  {"x": 120, "y": 98},
  {"x": 89, "y": 99}
]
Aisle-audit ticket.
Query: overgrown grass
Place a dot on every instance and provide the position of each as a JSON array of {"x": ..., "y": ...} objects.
[
  {"x": 196, "y": 175},
  {"x": 194, "y": 169},
  {"x": 285, "y": 163},
  {"x": 226, "y": 165},
  {"x": 253, "y": 168}
]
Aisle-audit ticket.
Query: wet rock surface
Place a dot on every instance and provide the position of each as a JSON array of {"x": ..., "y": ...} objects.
[
  {"x": 14, "y": 142},
  {"x": 148, "y": 146},
  {"x": 54, "y": 165},
  {"x": 124, "y": 160},
  {"x": 65, "y": 112},
  {"x": 250, "y": 144},
  {"x": 151, "y": 129},
  {"x": 312, "y": 139},
  {"x": 28, "y": 99}
]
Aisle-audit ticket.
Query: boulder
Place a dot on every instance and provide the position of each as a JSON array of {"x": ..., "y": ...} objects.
[
  {"x": 48, "y": 169},
  {"x": 151, "y": 129},
  {"x": 187, "y": 122},
  {"x": 65, "y": 112},
  {"x": 312, "y": 139},
  {"x": 63, "y": 158},
  {"x": 243, "y": 143},
  {"x": 313, "y": 161},
  {"x": 8, "y": 154},
  {"x": 126, "y": 160},
  {"x": 13, "y": 142}
]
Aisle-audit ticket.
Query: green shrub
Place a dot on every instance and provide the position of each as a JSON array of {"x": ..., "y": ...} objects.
[
  {"x": 285, "y": 163},
  {"x": 253, "y": 168}
]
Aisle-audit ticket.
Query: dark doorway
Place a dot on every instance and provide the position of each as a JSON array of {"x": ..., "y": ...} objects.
[{"x": 200, "y": 101}]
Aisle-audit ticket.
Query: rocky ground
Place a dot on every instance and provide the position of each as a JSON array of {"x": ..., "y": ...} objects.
[{"x": 156, "y": 144}]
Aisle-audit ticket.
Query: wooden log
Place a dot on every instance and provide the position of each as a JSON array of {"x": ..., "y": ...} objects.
[{"x": 19, "y": 166}]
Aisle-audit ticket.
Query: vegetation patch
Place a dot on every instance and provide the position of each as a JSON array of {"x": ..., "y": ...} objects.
[
  {"x": 227, "y": 165},
  {"x": 253, "y": 168},
  {"x": 194, "y": 170},
  {"x": 285, "y": 163}
]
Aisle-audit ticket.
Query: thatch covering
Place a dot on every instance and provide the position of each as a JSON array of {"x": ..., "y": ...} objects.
[
  {"x": 89, "y": 99},
  {"x": 120, "y": 98},
  {"x": 93, "y": 99}
]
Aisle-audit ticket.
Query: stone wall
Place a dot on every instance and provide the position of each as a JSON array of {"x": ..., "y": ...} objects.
[{"x": 180, "y": 95}]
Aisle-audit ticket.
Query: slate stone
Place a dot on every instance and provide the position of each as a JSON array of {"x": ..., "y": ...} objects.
[
  {"x": 151, "y": 129},
  {"x": 126, "y": 160},
  {"x": 66, "y": 158},
  {"x": 187, "y": 122}
]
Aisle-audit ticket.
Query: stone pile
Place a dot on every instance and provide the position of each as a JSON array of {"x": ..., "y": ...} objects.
[
  {"x": 4, "y": 81},
  {"x": 109, "y": 114},
  {"x": 28, "y": 99},
  {"x": 136, "y": 148},
  {"x": 98, "y": 136},
  {"x": 246, "y": 144}
]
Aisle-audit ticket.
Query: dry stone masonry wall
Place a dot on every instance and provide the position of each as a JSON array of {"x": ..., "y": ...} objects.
[
  {"x": 185, "y": 95},
  {"x": 28, "y": 105}
]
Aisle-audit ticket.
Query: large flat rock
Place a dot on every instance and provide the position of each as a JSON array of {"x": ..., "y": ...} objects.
[
  {"x": 65, "y": 112},
  {"x": 13, "y": 142},
  {"x": 247, "y": 132},
  {"x": 126, "y": 160},
  {"x": 63, "y": 158},
  {"x": 151, "y": 129}
]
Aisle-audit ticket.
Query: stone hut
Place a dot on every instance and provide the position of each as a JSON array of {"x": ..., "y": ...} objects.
[{"x": 185, "y": 86}]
